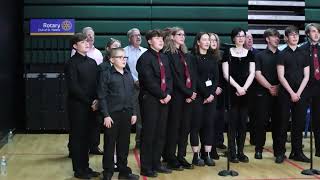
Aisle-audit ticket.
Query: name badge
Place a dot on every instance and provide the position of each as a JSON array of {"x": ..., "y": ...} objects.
[{"x": 208, "y": 83}]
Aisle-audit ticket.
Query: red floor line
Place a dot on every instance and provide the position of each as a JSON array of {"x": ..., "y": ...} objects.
[
  {"x": 136, "y": 155},
  {"x": 292, "y": 163},
  {"x": 280, "y": 178}
]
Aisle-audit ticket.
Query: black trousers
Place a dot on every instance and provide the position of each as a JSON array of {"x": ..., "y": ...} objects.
[
  {"x": 219, "y": 123},
  {"x": 79, "y": 115},
  {"x": 252, "y": 104},
  {"x": 93, "y": 132},
  {"x": 118, "y": 135},
  {"x": 137, "y": 107},
  {"x": 153, "y": 133},
  {"x": 267, "y": 109},
  {"x": 237, "y": 117},
  {"x": 178, "y": 127},
  {"x": 314, "y": 101},
  {"x": 95, "y": 127},
  {"x": 202, "y": 123},
  {"x": 298, "y": 115}
]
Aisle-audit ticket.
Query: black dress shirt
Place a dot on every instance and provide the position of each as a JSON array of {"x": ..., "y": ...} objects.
[
  {"x": 178, "y": 73},
  {"x": 115, "y": 91},
  {"x": 149, "y": 74},
  {"x": 81, "y": 77},
  {"x": 294, "y": 63},
  {"x": 266, "y": 62}
]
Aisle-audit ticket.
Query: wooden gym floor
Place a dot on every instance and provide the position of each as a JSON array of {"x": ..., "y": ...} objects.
[{"x": 44, "y": 157}]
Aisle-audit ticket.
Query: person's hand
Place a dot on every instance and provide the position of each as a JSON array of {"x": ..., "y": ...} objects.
[
  {"x": 188, "y": 100},
  {"x": 107, "y": 122},
  {"x": 240, "y": 91},
  {"x": 218, "y": 91},
  {"x": 94, "y": 105},
  {"x": 294, "y": 97},
  {"x": 133, "y": 120},
  {"x": 167, "y": 99},
  {"x": 194, "y": 96},
  {"x": 209, "y": 99},
  {"x": 273, "y": 90}
]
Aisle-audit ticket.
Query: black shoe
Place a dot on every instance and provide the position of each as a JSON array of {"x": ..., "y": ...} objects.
[
  {"x": 258, "y": 155},
  {"x": 82, "y": 174},
  {"x": 163, "y": 169},
  {"x": 129, "y": 176},
  {"x": 184, "y": 163},
  {"x": 107, "y": 176},
  {"x": 300, "y": 157},
  {"x": 208, "y": 161},
  {"x": 197, "y": 160},
  {"x": 174, "y": 165},
  {"x": 70, "y": 155},
  {"x": 214, "y": 155},
  {"x": 317, "y": 153},
  {"x": 149, "y": 173},
  {"x": 280, "y": 159},
  {"x": 96, "y": 151},
  {"x": 234, "y": 158},
  {"x": 222, "y": 146},
  {"x": 92, "y": 173},
  {"x": 243, "y": 158}
]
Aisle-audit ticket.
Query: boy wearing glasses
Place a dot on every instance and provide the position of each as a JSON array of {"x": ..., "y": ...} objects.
[
  {"x": 115, "y": 93},
  {"x": 293, "y": 73}
]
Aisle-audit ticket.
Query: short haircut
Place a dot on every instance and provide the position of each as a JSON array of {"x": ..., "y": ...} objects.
[
  {"x": 291, "y": 29},
  {"x": 130, "y": 32},
  {"x": 111, "y": 41},
  {"x": 235, "y": 31},
  {"x": 77, "y": 38},
  {"x": 308, "y": 26},
  {"x": 86, "y": 29},
  {"x": 153, "y": 33},
  {"x": 271, "y": 32},
  {"x": 114, "y": 51}
]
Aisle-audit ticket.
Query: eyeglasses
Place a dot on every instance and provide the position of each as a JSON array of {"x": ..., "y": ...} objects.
[
  {"x": 180, "y": 34},
  {"x": 121, "y": 57}
]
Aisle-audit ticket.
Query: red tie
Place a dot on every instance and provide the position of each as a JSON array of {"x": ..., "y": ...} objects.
[
  {"x": 316, "y": 63},
  {"x": 163, "y": 84},
  {"x": 186, "y": 70}
]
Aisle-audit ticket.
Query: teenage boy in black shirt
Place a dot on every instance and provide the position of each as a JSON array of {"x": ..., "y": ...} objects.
[
  {"x": 266, "y": 92},
  {"x": 312, "y": 50},
  {"x": 115, "y": 92},
  {"x": 293, "y": 73},
  {"x": 155, "y": 94},
  {"x": 81, "y": 76}
]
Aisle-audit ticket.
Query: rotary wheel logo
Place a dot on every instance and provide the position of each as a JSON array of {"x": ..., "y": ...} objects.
[{"x": 66, "y": 25}]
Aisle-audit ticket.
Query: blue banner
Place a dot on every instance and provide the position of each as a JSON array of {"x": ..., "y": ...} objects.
[{"x": 52, "y": 27}]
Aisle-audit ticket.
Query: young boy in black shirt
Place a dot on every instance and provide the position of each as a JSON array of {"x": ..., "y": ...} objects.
[
  {"x": 266, "y": 92},
  {"x": 115, "y": 92},
  {"x": 81, "y": 76},
  {"x": 293, "y": 73},
  {"x": 155, "y": 94}
]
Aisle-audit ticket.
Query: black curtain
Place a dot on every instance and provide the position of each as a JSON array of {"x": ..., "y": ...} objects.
[{"x": 11, "y": 66}]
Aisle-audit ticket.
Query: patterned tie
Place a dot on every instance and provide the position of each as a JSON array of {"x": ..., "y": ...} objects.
[
  {"x": 316, "y": 63},
  {"x": 163, "y": 84},
  {"x": 186, "y": 70}
]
